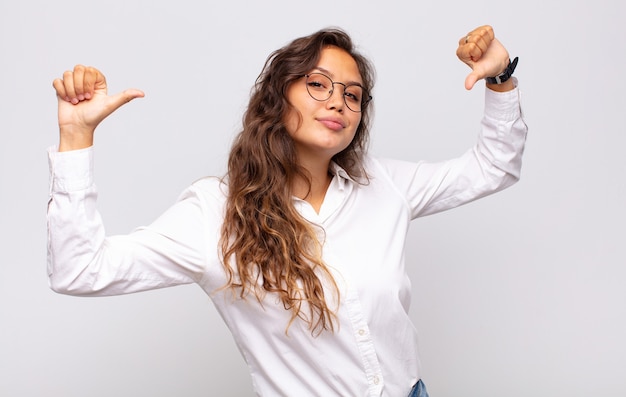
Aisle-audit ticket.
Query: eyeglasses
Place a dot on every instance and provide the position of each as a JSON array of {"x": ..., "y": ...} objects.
[{"x": 320, "y": 87}]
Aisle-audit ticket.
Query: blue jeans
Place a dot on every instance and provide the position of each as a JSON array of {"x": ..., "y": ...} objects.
[{"x": 419, "y": 390}]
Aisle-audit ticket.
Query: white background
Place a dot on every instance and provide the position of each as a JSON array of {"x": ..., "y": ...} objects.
[{"x": 522, "y": 293}]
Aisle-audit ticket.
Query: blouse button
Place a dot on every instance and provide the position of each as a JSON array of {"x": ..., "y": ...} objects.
[
  {"x": 361, "y": 332},
  {"x": 376, "y": 380}
]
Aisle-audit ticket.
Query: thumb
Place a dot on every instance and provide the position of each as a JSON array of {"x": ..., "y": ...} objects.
[
  {"x": 470, "y": 80},
  {"x": 122, "y": 98}
]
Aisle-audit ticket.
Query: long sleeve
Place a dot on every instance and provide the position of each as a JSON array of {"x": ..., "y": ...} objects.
[
  {"x": 82, "y": 260},
  {"x": 493, "y": 164}
]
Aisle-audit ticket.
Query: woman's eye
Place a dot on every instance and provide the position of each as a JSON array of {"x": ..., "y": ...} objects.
[
  {"x": 352, "y": 96},
  {"x": 316, "y": 84}
]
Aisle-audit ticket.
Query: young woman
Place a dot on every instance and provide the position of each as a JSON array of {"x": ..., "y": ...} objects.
[{"x": 300, "y": 246}]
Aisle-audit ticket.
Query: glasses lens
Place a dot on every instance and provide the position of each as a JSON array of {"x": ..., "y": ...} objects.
[
  {"x": 353, "y": 95},
  {"x": 319, "y": 86}
]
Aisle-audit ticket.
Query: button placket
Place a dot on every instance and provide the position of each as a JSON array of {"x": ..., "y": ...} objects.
[{"x": 365, "y": 344}]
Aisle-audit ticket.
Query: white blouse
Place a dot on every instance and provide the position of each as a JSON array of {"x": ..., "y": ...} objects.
[{"x": 374, "y": 351}]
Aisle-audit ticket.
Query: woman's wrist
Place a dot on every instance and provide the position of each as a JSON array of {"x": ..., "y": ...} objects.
[
  {"x": 502, "y": 87},
  {"x": 74, "y": 139}
]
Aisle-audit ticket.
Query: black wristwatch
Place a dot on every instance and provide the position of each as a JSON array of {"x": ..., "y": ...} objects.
[{"x": 508, "y": 72}]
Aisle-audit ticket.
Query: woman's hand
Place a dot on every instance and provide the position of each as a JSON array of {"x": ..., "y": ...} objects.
[
  {"x": 83, "y": 103},
  {"x": 487, "y": 57}
]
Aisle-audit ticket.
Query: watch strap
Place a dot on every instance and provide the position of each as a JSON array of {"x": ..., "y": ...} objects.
[{"x": 508, "y": 72}]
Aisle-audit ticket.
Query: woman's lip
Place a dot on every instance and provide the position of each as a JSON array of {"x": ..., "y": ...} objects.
[{"x": 332, "y": 124}]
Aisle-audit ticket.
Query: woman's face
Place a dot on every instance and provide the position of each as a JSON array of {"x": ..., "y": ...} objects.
[{"x": 321, "y": 129}]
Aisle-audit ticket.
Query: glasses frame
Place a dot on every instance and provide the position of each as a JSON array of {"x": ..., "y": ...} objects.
[{"x": 364, "y": 100}]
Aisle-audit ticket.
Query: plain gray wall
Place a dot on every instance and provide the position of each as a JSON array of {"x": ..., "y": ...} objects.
[{"x": 518, "y": 294}]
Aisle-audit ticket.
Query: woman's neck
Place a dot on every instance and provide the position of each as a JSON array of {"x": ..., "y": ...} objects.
[{"x": 315, "y": 192}]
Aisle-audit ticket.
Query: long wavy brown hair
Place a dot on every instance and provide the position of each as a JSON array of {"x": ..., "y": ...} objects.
[{"x": 267, "y": 246}]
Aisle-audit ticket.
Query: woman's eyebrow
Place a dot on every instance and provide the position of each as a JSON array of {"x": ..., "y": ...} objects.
[{"x": 330, "y": 74}]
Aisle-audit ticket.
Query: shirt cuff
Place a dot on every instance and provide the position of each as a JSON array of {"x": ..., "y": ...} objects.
[
  {"x": 503, "y": 105},
  {"x": 70, "y": 171}
]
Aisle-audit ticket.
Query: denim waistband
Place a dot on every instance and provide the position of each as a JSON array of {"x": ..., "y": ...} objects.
[{"x": 419, "y": 390}]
